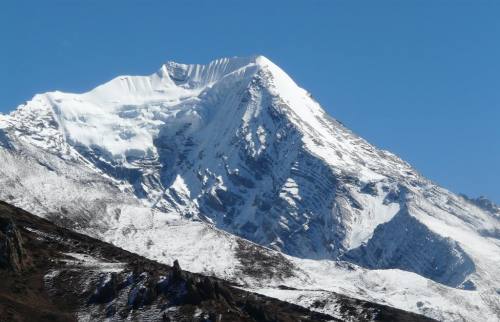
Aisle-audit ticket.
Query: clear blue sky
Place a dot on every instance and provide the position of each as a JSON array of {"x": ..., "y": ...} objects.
[{"x": 419, "y": 78}]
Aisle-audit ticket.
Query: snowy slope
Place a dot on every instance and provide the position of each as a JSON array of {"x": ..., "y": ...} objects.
[{"x": 178, "y": 163}]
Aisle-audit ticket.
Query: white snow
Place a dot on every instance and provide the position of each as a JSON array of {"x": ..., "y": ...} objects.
[{"x": 85, "y": 260}]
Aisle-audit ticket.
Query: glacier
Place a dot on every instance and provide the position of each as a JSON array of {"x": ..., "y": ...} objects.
[{"x": 211, "y": 163}]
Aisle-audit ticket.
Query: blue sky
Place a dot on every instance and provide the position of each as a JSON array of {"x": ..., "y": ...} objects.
[{"x": 419, "y": 78}]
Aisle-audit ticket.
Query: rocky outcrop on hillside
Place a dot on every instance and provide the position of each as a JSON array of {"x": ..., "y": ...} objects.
[{"x": 13, "y": 256}]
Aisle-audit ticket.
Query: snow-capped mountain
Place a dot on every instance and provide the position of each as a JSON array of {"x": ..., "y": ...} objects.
[{"x": 197, "y": 160}]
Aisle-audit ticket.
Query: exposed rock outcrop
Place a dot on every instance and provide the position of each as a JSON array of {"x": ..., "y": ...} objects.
[{"x": 13, "y": 256}]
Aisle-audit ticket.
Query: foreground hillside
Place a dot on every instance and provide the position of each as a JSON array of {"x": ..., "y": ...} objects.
[{"x": 48, "y": 273}]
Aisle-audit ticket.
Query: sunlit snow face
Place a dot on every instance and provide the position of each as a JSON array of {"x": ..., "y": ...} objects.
[{"x": 123, "y": 117}]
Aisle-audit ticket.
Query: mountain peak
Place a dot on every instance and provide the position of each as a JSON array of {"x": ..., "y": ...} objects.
[
  {"x": 126, "y": 113},
  {"x": 200, "y": 75}
]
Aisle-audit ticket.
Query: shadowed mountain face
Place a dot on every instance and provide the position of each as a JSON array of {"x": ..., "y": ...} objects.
[
  {"x": 447, "y": 264},
  {"x": 49, "y": 273},
  {"x": 237, "y": 145}
]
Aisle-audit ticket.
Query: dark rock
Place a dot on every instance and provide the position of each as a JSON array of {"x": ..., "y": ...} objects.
[
  {"x": 177, "y": 271},
  {"x": 13, "y": 256},
  {"x": 392, "y": 197},
  {"x": 240, "y": 180},
  {"x": 107, "y": 290},
  {"x": 370, "y": 188}
]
